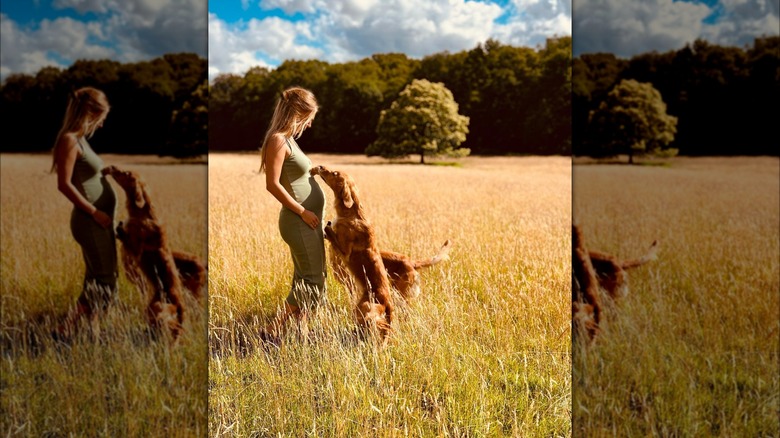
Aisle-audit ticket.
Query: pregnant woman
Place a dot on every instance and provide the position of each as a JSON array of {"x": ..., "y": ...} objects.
[
  {"x": 303, "y": 204},
  {"x": 91, "y": 222}
]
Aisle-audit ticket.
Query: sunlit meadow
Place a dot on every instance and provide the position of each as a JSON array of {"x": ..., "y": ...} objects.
[
  {"x": 693, "y": 349},
  {"x": 116, "y": 381},
  {"x": 484, "y": 351}
]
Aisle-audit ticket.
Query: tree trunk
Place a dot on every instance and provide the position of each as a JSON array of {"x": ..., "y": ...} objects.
[
  {"x": 630, "y": 158},
  {"x": 422, "y": 157}
]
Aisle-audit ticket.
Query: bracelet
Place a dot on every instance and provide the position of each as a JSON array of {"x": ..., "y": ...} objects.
[{"x": 302, "y": 212}]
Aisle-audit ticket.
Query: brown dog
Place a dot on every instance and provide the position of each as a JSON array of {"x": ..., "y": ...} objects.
[
  {"x": 352, "y": 237},
  {"x": 402, "y": 271},
  {"x": 585, "y": 300},
  {"x": 146, "y": 255},
  {"x": 592, "y": 269}
]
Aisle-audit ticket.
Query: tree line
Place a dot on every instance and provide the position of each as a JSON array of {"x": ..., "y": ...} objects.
[
  {"x": 157, "y": 107},
  {"x": 518, "y": 99},
  {"x": 725, "y": 98}
]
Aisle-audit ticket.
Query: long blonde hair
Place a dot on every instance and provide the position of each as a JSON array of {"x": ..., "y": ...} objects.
[
  {"x": 85, "y": 106},
  {"x": 293, "y": 107}
]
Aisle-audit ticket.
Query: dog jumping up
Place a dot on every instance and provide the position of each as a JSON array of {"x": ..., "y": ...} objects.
[
  {"x": 352, "y": 237},
  {"x": 146, "y": 255},
  {"x": 592, "y": 270},
  {"x": 402, "y": 270}
]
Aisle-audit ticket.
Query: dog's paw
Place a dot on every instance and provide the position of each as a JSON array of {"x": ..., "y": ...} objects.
[
  {"x": 108, "y": 170},
  {"x": 315, "y": 170}
]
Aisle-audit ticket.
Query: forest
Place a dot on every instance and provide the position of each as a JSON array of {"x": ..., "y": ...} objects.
[
  {"x": 517, "y": 98},
  {"x": 725, "y": 98},
  {"x": 520, "y": 100},
  {"x": 157, "y": 107}
]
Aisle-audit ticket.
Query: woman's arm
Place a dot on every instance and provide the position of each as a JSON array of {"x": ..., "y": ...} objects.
[
  {"x": 67, "y": 153},
  {"x": 275, "y": 155}
]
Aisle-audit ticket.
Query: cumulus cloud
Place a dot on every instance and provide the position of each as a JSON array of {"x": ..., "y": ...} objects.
[
  {"x": 741, "y": 21},
  {"x": 345, "y": 30},
  {"x": 630, "y": 28},
  {"x": 531, "y": 22},
  {"x": 409, "y": 26},
  {"x": 123, "y": 30},
  {"x": 27, "y": 51},
  {"x": 236, "y": 47}
]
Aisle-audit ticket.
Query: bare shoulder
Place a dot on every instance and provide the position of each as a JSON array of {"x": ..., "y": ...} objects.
[
  {"x": 277, "y": 146},
  {"x": 67, "y": 144}
]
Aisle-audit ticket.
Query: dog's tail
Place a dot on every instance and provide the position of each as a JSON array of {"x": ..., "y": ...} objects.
[
  {"x": 440, "y": 257},
  {"x": 651, "y": 255}
]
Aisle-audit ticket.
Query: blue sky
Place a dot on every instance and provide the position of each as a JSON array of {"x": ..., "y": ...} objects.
[
  {"x": 240, "y": 34},
  {"x": 247, "y": 33},
  {"x": 39, "y": 33},
  {"x": 627, "y": 28}
]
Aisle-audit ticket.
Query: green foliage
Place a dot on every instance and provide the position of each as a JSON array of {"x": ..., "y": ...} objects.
[
  {"x": 632, "y": 120},
  {"x": 190, "y": 124},
  {"x": 144, "y": 97},
  {"x": 704, "y": 85},
  {"x": 423, "y": 120},
  {"x": 517, "y": 98}
]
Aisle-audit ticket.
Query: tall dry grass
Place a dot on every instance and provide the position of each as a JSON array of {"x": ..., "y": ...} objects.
[
  {"x": 116, "y": 381},
  {"x": 693, "y": 350},
  {"x": 485, "y": 350}
]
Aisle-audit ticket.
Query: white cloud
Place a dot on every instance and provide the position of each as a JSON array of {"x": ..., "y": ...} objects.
[
  {"x": 410, "y": 26},
  {"x": 533, "y": 21},
  {"x": 27, "y": 51},
  {"x": 628, "y": 28},
  {"x": 125, "y": 30},
  {"x": 290, "y": 6},
  {"x": 338, "y": 31},
  {"x": 741, "y": 21},
  {"x": 236, "y": 47}
]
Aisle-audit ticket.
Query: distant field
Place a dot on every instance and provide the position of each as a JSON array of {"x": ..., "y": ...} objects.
[
  {"x": 485, "y": 351},
  {"x": 121, "y": 384},
  {"x": 693, "y": 349}
]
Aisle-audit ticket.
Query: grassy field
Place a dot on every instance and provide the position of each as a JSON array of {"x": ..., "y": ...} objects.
[
  {"x": 485, "y": 350},
  {"x": 693, "y": 349},
  {"x": 118, "y": 383}
]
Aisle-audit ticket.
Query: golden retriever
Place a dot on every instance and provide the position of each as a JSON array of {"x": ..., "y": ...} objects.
[
  {"x": 591, "y": 270},
  {"x": 146, "y": 255},
  {"x": 352, "y": 237}
]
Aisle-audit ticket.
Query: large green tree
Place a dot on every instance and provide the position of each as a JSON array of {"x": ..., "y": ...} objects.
[
  {"x": 632, "y": 119},
  {"x": 423, "y": 120}
]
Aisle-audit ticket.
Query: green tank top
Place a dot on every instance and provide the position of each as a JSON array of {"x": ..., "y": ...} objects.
[
  {"x": 90, "y": 182},
  {"x": 299, "y": 184}
]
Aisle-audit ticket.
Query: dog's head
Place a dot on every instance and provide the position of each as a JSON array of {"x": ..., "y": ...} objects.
[
  {"x": 342, "y": 184},
  {"x": 130, "y": 182}
]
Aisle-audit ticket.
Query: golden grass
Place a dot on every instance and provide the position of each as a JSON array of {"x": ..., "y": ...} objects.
[
  {"x": 485, "y": 350},
  {"x": 120, "y": 383},
  {"x": 693, "y": 349}
]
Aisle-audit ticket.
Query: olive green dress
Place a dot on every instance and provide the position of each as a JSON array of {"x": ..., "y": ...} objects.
[
  {"x": 98, "y": 244},
  {"x": 307, "y": 245}
]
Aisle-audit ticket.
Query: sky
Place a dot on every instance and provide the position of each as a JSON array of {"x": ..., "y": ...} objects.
[
  {"x": 240, "y": 34},
  {"x": 247, "y": 33},
  {"x": 39, "y": 33},
  {"x": 627, "y": 28}
]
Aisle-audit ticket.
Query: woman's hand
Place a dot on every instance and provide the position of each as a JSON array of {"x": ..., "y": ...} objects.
[
  {"x": 310, "y": 218},
  {"x": 103, "y": 219}
]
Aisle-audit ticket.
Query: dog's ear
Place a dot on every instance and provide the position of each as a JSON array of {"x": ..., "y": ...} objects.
[
  {"x": 140, "y": 196},
  {"x": 346, "y": 195}
]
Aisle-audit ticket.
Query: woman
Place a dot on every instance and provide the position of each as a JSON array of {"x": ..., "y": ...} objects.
[
  {"x": 303, "y": 203},
  {"x": 79, "y": 178}
]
